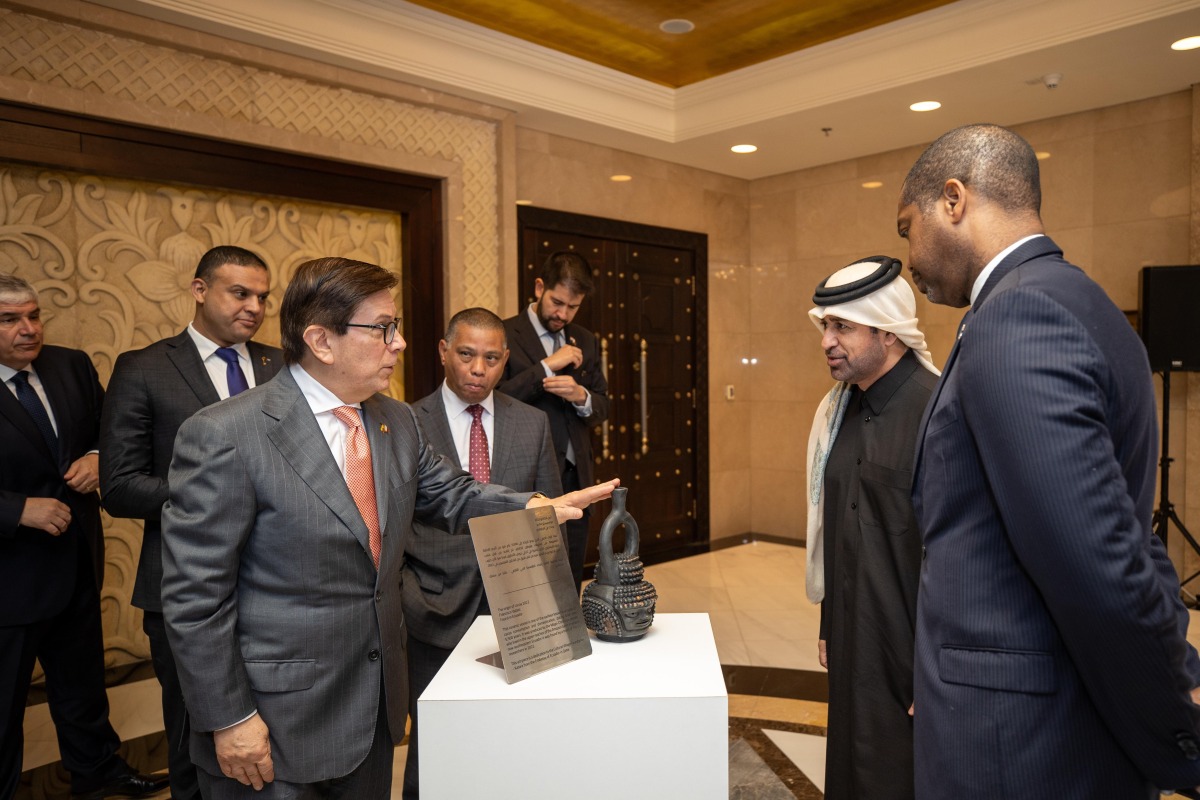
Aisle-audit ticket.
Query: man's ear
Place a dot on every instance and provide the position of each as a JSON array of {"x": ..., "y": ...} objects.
[
  {"x": 317, "y": 339},
  {"x": 954, "y": 199}
]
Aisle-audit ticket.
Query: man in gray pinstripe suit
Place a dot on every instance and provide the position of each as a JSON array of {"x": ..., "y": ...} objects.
[
  {"x": 443, "y": 590},
  {"x": 283, "y": 541}
]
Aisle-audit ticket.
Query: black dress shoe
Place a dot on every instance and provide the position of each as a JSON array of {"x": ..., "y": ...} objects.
[{"x": 134, "y": 784}]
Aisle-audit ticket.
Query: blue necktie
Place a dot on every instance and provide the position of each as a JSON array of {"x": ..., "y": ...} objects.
[
  {"x": 27, "y": 396},
  {"x": 233, "y": 370}
]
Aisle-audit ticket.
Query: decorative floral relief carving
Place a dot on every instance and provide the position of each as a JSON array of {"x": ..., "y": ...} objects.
[{"x": 113, "y": 262}]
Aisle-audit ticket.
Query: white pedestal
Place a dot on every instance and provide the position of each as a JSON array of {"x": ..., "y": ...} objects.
[{"x": 645, "y": 719}]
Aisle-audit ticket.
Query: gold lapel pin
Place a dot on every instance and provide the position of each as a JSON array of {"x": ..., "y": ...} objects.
[
  {"x": 383, "y": 428},
  {"x": 266, "y": 360}
]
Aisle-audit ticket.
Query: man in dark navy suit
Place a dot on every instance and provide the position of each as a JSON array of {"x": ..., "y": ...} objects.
[
  {"x": 52, "y": 553},
  {"x": 1051, "y": 659}
]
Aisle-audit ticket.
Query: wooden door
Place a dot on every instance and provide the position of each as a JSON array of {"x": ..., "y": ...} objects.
[{"x": 646, "y": 310}]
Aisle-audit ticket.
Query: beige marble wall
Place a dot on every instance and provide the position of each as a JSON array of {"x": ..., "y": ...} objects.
[
  {"x": 1117, "y": 196},
  {"x": 569, "y": 175}
]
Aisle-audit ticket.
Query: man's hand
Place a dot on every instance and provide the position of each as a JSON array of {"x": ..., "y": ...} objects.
[
  {"x": 565, "y": 387},
  {"x": 244, "y": 753},
  {"x": 566, "y": 356},
  {"x": 47, "y": 514},
  {"x": 84, "y": 474},
  {"x": 572, "y": 504},
  {"x": 823, "y": 653}
]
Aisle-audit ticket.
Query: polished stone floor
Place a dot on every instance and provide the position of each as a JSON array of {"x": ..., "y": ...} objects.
[{"x": 765, "y": 632}]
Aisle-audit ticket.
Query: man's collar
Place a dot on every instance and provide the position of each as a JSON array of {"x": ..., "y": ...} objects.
[
  {"x": 207, "y": 346},
  {"x": 316, "y": 393},
  {"x": 538, "y": 327},
  {"x": 455, "y": 405},
  {"x": 876, "y": 397},
  {"x": 981, "y": 279}
]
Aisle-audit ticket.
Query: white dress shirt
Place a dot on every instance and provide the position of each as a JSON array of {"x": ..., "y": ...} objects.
[
  {"x": 217, "y": 366},
  {"x": 991, "y": 265},
  {"x": 460, "y": 424}
]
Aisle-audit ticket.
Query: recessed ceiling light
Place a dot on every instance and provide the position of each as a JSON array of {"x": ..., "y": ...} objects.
[
  {"x": 1042, "y": 155},
  {"x": 872, "y": 184},
  {"x": 744, "y": 148},
  {"x": 926, "y": 105},
  {"x": 621, "y": 178},
  {"x": 1190, "y": 43},
  {"x": 677, "y": 26}
]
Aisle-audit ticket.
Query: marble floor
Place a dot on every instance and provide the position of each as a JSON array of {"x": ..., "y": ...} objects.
[{"x": 765, "y": 631}]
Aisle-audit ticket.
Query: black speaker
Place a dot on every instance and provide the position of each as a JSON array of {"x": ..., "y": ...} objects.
[{"x": 1168, "y": 312}]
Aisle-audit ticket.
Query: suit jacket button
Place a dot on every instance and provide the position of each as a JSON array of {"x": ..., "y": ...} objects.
[
  {"x": 378, "y": 596},
  {"x": 923, "y": 553},
  {"x": 1188, "y": 745},
  {"x": 373, "y": 655}
]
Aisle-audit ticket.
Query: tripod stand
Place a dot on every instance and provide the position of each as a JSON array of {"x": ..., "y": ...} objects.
[{"x": 1165, "y": 514}]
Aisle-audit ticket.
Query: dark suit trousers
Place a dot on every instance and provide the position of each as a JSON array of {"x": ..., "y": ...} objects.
[
  {"x": 184, "y": 784},
  {"x": 577, "y": 529},
  {"x": 71, "y": 649}
]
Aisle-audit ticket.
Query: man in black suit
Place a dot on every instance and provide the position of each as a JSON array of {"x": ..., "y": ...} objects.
[
  {"x": 52, "y": 553},
  {"x": 555, "y": 366},
  {"x": 510, "y": 445},
  {"x": 151, "y": 393}
]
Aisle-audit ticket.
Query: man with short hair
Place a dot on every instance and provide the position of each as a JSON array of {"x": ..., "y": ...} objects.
[
  {"x": 1051, "y": 659},
  {"x": 500, "y": 441},
  {"x": 52, "y": 553},
  {"x": 283, "y": 542},
  {"x": 864, "y": 550},
  {"x": 554, "y": 365},
  {"x": 151, "y": 392}
]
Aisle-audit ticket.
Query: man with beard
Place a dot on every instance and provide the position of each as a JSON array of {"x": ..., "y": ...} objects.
[
  {"x": 864, "y": 549},
  {"x": 554, "y": 365}
]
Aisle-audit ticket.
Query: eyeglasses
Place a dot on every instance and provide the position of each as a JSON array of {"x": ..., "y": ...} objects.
[{"x": 389, "y": 329}]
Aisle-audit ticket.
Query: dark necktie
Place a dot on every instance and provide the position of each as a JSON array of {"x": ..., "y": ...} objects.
[
  {"x": 27, "y": 396},
  {"x": 233, "y": 370},
  {"x": 479, "y": 464}
]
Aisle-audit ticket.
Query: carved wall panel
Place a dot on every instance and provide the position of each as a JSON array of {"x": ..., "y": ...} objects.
[
  {"x": 185, "y": 84},
  {"x": 112, "y": 261}
]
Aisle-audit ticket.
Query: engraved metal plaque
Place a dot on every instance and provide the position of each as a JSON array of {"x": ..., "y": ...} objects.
[{"x": 535, "y": 607}]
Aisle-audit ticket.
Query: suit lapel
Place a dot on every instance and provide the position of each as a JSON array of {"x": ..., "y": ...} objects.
[
  {"x": 500, "y": 433},
  {"x": 437, "y": 428},
  {"x": 261, "y": 362},
  {"x": 299, "y": 440},
  {"x": 183, "y": 354},
  {"x": 528, "y": 339},
  {"x": 19, "y": 417}
]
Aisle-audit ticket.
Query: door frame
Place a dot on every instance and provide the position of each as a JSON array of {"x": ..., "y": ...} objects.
[{"x": 637, "y": 233}]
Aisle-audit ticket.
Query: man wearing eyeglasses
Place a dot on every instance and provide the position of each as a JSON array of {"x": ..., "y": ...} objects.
[
  {"x": 500, "y": 440},
  {"x": 151, "y": 392},
  {"x": 283, "y": 542}
]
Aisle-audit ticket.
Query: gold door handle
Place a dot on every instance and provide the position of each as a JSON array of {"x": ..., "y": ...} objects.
[
  {"x": 604, "y": 372},
  {"x": 645, "y": 407}
]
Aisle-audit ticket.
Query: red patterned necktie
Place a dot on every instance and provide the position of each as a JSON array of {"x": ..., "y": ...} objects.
[
  {"x": 360, "y": 477},
  {"x": 480, "y": 465}
]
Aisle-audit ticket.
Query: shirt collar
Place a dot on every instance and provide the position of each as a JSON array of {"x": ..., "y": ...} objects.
[
  {"x": 995, "y": 262},
  {"x": 455, "y": 405},
  {"x": 319, "y": 398},
  {"x": 207, "y": 346},
  {"x": 7, "y": 372},
  {"x": 876, "y": 397},
  {"x": 537, "y": 323}
]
